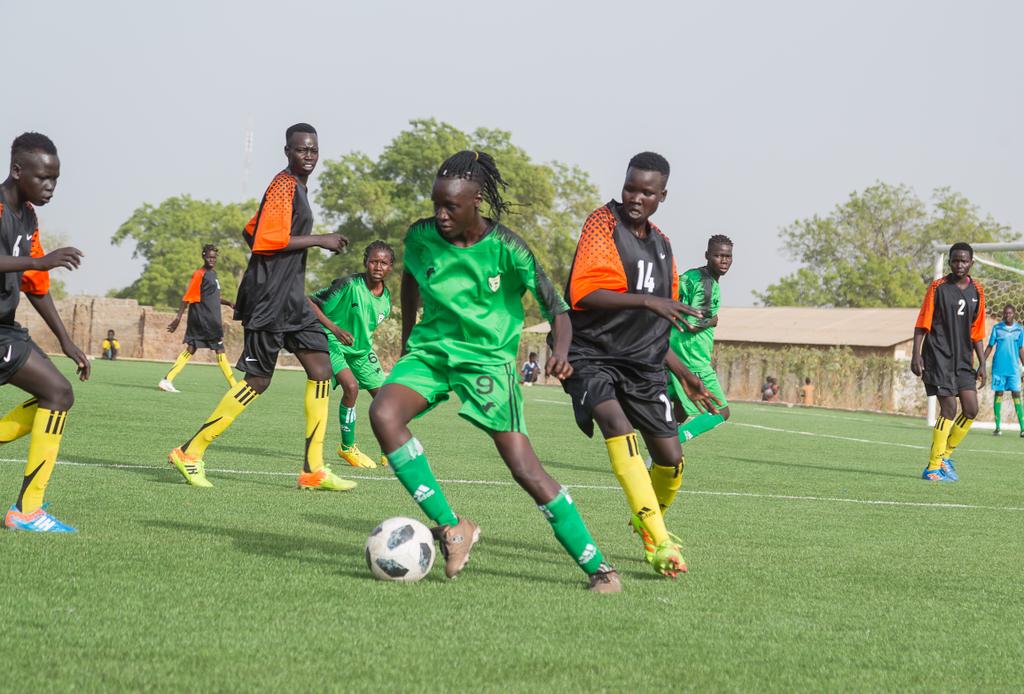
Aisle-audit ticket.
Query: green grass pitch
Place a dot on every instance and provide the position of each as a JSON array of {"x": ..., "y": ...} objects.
[{"x": 818, "y": 559}]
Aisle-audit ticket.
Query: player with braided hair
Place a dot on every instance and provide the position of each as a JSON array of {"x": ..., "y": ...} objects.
[
  {"x": 349, "y": 310},
  {"x": 471, "y": 273}
]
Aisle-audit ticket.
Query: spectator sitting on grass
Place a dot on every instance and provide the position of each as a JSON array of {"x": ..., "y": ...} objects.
[{"x": 111, "y": 346}]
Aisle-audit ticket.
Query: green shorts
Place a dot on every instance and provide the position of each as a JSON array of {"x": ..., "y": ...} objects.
[
  {"x": 365, "y": 367},
  {"x": 710, "y": 380},
  {"x": 490, "y": 394}
]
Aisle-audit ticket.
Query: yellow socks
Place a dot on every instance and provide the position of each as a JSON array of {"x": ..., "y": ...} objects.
[
  {"x": 629, "y": 468},
  {"x": 956, "y": 434},
  {"x": 179, "y": 364},
  {"x": 47, "y": 429},
  {"x": 18, "y": 421},
  {"x": 666, "y": 481},
  {"x": 230, "y": 406},
  {"x": 225, "y": 368},
  {"x": 940, "y": 436},
  {"x": 318, "y": 394}
]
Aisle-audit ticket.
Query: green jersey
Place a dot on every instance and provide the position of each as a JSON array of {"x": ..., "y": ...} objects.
[
  {"x": 473, "y": 296},
  {"x": 699, "y": 289},
  {"x": 350, "y": 304}
]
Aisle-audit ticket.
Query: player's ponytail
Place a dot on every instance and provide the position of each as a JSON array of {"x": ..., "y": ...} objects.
[{"x": 479, "y": 167}]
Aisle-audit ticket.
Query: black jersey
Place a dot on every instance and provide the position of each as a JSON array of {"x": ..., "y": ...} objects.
[
  {"x": 19, "y": 236},
  {"x": 609, "y": 256},
  {"x": 954, "y": 319},
  {"x": 203, "y": 298},
  {"x": 272, "y": 295}
]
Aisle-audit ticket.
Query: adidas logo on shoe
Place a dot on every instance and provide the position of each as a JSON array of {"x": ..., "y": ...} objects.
[
  {"x": 422, "y": 493},
  {"x": 645, "y": 513}
]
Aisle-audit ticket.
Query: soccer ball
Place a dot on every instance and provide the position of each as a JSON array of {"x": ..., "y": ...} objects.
[{"x": 400, "y": 549}]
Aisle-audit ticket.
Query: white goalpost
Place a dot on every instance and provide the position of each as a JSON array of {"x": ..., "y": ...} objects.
[{"x": 941, "y": 251}]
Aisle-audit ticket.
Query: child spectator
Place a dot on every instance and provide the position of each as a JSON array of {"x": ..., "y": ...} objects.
[
  {"x": 111, "y": 346},
  {"x": 531, "y": 370},
  {"x": 807, "y": 393}
]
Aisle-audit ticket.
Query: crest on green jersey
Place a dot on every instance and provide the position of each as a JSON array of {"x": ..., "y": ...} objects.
[{"x": 494, "y": 282}]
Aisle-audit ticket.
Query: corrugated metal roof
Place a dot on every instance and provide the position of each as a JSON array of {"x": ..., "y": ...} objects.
[{"x": 854, "y": 327}]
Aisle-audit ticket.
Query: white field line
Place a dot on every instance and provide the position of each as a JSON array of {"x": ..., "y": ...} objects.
[
  {"x": 818, "y": 434},
  {"x": 605, "y": 487}
]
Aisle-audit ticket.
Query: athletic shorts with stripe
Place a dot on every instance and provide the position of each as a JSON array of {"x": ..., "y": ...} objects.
[
  {"x": 490, "y": 394},
  {"x": 365, "y": 367},
  {"x": 260, "y": 348},
  {"x": 15, "y": 347},
  {"x": 710, "y": 380}
]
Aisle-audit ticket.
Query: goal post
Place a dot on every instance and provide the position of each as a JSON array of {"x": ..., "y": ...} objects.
[{"x": 1008, "y": 280}]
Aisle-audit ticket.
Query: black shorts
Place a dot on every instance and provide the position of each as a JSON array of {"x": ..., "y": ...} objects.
[
  {"x": 15, "y": 346},
  {"x": 259, "y": 355},
  {"x": 641, "y": 393},
  {"x": 204, "y": 342},
  {"x": 951, "y": 381}
]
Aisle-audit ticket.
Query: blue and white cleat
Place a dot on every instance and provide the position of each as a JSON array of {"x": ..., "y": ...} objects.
[
  {"x": 934, "y": 475},
  {"x": 949, "y": 470},
  {"x": 39, "y": 521}
]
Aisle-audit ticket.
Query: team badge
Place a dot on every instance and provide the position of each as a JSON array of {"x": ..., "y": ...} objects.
[
  {"x": 380, "y": 318},
  {"x": 494, "y": 282}
]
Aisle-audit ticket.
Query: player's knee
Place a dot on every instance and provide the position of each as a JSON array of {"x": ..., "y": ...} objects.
[
  {"x": 349, "y": 389},
  {"x": 970, "y": 411},
  {"x": 61, "y": 395},
  {"x": 258, "y": 383},
  {"x": 383, "y": 416}
]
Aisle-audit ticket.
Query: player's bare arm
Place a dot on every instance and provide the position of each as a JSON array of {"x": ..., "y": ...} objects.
[
  {"x": 410, "y": 305},
  {"x": 695, "y": 389},
  {"x": 176, "y": 321},
  {"x": 344, "y": 336},
  {"x": 68, "y": 258},
  {"x": 979, "y": 351},
  {"x": 917, "y": 360},
  {"x": 669, "y": 309},
  {"x": 43, "y": 304},
  {"x": 558, "y": 363},
  {"x": 335, "y": 243}
]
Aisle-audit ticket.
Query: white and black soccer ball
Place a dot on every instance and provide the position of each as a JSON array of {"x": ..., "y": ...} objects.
[{"x": 400, "y": 549}]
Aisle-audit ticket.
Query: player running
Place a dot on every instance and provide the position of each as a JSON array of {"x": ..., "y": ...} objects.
[
  {"x": 1007, "y": 338},
  {"x": 204, "y": 327},
  {"x": 623, "y": 293},
  {"x": 947, "y": 337},
  {"x": 471, "y": 273},
  {"x": 276, "y": 315},
  {"x": 350, "y": 310},
  {"x": 31, "y": 180},
  {"x": 693, "y": 344}
]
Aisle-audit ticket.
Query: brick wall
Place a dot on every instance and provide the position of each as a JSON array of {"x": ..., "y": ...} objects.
[{"x": 142, "y": 330}]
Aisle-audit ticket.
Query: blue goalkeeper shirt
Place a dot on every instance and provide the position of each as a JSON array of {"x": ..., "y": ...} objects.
[{"x": 1008, "y": 339}]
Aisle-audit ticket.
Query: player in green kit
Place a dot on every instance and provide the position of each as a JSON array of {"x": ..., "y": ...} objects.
[
  {"x": 471, "y": 273},
  {"x": 698, "y": 287},
  {"x": 350, "y": 309}
]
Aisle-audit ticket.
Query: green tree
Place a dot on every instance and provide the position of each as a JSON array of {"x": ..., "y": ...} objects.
[
  {"x": 875, "y": 249},
  {"x": 367, "y": 199},
  {"x": 170, "y": 238}
]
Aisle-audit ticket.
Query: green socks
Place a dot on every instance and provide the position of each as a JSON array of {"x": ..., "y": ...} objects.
[
  {"x": 347, "y": 417},
  {"x": 698, "y": 425},
  {"x": 571, "y": 533},
  {"x": 997, "y": 410},
  {"x": 1020, "y": 412},
  {"x": 413, "y": 471}
]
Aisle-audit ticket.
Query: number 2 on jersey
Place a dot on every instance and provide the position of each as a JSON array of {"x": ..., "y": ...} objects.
[
  {"x": 960, "y": 306},
  {"x": 645, "y": 276}
]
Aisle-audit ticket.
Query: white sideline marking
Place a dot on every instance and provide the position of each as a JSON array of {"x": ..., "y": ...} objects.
[{"x": 605, "y": 487}]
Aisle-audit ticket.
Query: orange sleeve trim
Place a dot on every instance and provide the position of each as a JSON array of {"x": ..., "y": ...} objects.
[
  {"x": 924, "y": 317},
  {"x": 978, "y": 327},
  {"x": 597, "y": 264},
  {"x": 192, "y": 294},
  {"x": 36, "y": 282},
  {"x": 273, "y": 224}
]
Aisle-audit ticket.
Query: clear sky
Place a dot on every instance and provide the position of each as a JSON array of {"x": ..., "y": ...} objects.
[{"x": 768, "y": 111}]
